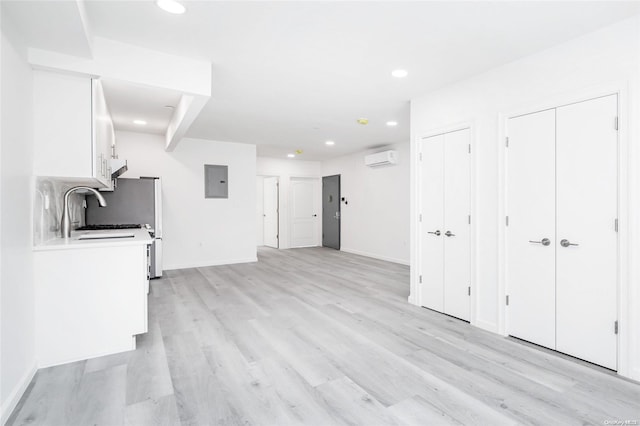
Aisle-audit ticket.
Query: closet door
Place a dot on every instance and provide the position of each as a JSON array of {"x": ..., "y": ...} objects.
[
  {"x": 531, "y": 231},
  {"x": 456, "y": 235},
  {"x": 587, "y": 240},
  {"x": 432, "y": 210}
]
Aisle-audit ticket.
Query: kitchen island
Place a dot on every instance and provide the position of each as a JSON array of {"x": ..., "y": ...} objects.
[{"x": 91, "y": 294}]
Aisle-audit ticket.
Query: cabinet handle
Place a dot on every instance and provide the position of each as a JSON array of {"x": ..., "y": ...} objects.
[{"x": 436, "y": 233}]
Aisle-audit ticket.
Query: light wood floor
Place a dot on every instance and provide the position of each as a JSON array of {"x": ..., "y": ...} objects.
[{"x": 318, "y": 337}]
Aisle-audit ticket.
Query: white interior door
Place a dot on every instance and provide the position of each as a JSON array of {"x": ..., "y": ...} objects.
[
  {"x": 456, "y": 235},
  {"x": 531, "y": 209},
  {"x": 260, "y": 210},
  {"x": 586, "y": 214},
  {"x": 271, "y": 212},
  {"x": 431, "y": 232},
  {"x": 304, "y": 213}
]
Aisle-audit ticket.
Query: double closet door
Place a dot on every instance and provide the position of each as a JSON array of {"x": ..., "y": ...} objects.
[
  {"x": 445, "y": 276},
  {"x": 562, "y": 229}
]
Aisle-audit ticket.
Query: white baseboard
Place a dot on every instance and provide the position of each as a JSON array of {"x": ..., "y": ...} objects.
[
  {"x": 209, "y": 263},
  {"x": 375, "y": 256},
  {"x": 14, "y": 397}
]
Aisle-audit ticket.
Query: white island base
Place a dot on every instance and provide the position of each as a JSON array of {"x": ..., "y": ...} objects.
[{"x": 91, "y": 297}]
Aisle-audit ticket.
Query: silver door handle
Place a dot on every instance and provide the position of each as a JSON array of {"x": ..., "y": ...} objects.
[
  {"x": 544, "y": 242},
  {"x": 567, "y": 243},
  {"x": 436, "y": 233},
  {"x": 449, "y": 234}
]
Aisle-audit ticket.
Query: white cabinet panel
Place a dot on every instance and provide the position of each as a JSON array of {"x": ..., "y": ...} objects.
[
  {"x": 531, "y": 210},
  {"x": 586, "y": 213},
  {"x": 89, "y": 302}
]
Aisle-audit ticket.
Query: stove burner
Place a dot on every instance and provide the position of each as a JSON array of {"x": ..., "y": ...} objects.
[{"x": 99, "y": 227}]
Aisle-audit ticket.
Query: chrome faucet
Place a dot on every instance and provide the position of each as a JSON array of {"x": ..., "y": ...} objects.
[{"x": 65, "y": 225}]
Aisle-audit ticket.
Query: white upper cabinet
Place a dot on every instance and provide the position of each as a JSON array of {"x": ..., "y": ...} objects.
[{"x": 73, "y": 130}]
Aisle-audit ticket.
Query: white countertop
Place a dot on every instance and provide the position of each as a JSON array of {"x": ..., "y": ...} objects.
[{"x": 140, "y": 236}]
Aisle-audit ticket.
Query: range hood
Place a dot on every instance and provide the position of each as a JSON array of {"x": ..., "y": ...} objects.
[{"x": 118, "y": 167}]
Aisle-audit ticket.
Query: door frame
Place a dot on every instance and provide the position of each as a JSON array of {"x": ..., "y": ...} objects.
[
  {"x": 317, "y": 205},
  {"x": 415, "y": 293},
  {"x": 627, "y": 199}
]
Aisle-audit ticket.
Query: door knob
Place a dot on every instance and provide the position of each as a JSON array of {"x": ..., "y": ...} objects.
[
  {"x": 544, "y": 242},
  {"x": 315, "y": 215},
  {"x": 436, "y": 233},
  {"x": 567, "y": 243},
  {"x": 449, "y": 234}
]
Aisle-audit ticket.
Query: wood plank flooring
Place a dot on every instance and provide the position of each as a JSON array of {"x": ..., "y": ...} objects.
[{"x": 318, "y": 337}]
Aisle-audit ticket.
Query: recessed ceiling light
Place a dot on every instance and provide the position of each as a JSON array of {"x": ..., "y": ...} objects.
[
  {"x": 140, "y": 122},
  {"x": 171, "y": 6},
  {"x": 330, "y": 143},
  {"x": 291, "y": 155},
  {"x": 399, "y": 73},
  {"x": 392, "y": 123}
]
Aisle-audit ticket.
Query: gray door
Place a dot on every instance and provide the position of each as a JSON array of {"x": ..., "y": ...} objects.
[{"x": 331, "y": 211}]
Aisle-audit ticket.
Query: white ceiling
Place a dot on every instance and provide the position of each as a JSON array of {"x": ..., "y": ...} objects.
[
  {"x": 291, "y": 75},
  {"x": 128, "y": 102}
]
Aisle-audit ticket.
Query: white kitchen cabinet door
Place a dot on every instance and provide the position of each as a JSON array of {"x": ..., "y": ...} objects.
[
  {"x": 271, "y": 220},
  {"x": 304, "y": 212},
  {"x": 431, "y": 231},
  {"x": 531, "y": 241},
  {"x": 73, "y": 130},
  {"x": 586, "y": 214},
  {"x": 456, "y": 228},
  {"x": 103, "y": 135}
]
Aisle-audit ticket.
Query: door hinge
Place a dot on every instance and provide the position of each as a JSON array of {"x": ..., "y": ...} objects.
[
  {"x": 420, "y": 279},
  {"x": 616, "y": 123},
  {"x": 469, "y": 219},
  {"x": 420, "y": 218},
  {"x": 469, "y": 291},
  {"x": 507, "y": 300},
  {"x": 506, "y": 142},
  {"x": 615, "y": 327},
  {"x": 469, "y": 148},
  {"x": 506, "y": 220},
  {"x": 615, "y": 226},
  {"x": 420, "y": 156}
]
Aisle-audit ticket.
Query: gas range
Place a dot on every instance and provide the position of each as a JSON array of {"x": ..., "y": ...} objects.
[{"x": 101, "y": 227}]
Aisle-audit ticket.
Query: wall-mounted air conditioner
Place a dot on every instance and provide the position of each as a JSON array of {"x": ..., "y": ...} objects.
[{"x": 381, "y": 158}]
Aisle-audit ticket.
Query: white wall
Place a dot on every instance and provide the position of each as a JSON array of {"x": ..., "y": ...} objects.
[
  {"x": 609, "y": 55},
  {"x": 285, "y": 170},
  {"x": 198, "y": 231},
  {"x": 17, "y": 320},
  {"x": 375, "y": 222}
]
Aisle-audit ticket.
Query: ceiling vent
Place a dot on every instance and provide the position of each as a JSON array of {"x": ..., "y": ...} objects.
[{"x": 381, "y": 158}]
